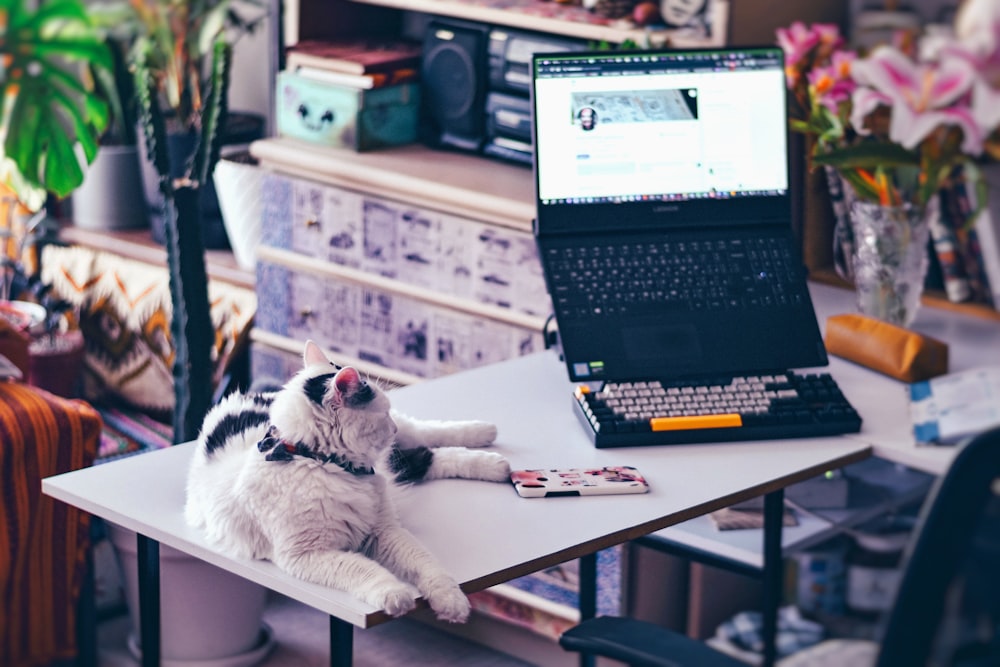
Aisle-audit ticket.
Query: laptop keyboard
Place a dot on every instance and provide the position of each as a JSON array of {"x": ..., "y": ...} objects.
[
  {"x": 765, "y": 407},
  {"x": 633, "y": 278}
]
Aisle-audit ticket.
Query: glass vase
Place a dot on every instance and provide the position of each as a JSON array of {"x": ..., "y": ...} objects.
[{"x": 890, "y": 259}]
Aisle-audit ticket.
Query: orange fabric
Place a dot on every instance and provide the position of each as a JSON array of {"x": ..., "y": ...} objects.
[{"x": 43, "y": 542}]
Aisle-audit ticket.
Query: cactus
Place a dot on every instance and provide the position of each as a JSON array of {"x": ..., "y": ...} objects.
[{"x": 191, "y": 327}]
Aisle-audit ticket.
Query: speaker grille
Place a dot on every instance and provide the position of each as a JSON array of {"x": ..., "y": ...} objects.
[
  {"x": 453, "y": 84},
  {"x": 450, "y": 77}
]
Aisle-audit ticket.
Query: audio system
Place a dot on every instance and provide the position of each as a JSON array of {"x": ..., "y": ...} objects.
[{"x": 476, "y": 83}]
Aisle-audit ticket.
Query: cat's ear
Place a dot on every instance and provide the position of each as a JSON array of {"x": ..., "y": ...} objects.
[{"x": 314, "y": 354}]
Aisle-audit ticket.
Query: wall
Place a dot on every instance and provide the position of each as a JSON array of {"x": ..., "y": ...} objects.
[{"x": 255, "y": 59}]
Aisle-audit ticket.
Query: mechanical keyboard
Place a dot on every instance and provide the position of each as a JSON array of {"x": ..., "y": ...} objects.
[{"x": 765, "y": 407}]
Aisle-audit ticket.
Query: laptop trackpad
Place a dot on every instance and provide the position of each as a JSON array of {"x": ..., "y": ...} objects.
[{"x": 662, "y": 342}]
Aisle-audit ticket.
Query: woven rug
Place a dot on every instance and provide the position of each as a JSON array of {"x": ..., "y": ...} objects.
[{"x": 128, "y": 432}]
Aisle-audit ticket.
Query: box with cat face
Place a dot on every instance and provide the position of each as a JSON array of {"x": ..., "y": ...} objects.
[{"x": 335, "y": 115}]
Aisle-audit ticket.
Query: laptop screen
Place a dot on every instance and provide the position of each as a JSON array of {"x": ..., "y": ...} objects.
[{"x": 648, "y": 138}]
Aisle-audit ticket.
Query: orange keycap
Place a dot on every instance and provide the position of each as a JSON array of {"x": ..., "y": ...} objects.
[{"x": 728, "y": 420}]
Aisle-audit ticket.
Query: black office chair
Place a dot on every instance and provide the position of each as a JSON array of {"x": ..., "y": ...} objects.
[{"x": 951, "y": 568}]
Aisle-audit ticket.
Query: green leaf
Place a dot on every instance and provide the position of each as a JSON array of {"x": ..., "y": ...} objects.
[
  {"x": 862, "y": 188},
  {"x": 868, "y": 155},
  {"x": 213, "y": 114},
  {"x": 78, "y": 49},
  {"x": 59, "y": 10},
  {"x": 212, "y": 27},
  {"x": 62, "y": 172},
  {"x": 154, "y": 127},
  {"x": 51, "y": 114}
]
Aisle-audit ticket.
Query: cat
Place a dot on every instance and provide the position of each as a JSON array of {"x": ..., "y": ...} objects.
[{"x": 302, "y": 476}]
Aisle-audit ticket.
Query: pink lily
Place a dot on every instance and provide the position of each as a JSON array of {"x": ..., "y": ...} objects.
[
  {"x": 829, "y": 35},
  {"x": 923, "y": 96},
  {"x": 833, "y": 85},
  {"x": 977, "y": 26},
  {"x": 864, "y": 101},
  {"x": 796, "y": 41}
]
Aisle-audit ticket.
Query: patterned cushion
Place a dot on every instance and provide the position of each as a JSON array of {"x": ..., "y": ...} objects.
[
  {"x": 43, "y": 542},
  {"x": 124, "y": 308}
]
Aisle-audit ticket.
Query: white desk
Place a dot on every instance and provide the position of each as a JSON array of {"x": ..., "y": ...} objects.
[
  {"x": 884, "y": 406},
  {"x": 483, "y": 533},
  {"x": 884, "y": 402}
]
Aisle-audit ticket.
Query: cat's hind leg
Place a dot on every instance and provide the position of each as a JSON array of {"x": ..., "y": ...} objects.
[
  {"x": 352, "y": 573},
  {"x": 400, "y": 552}
]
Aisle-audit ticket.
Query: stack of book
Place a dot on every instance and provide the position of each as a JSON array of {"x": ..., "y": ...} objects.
[
  {"x": 966, "y": 245},
  {"x": 356, "y": 63},
  {"x": 354, "y": 93}
]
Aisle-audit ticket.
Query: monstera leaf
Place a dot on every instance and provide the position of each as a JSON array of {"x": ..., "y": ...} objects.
[{"x": 52, "y": 116}]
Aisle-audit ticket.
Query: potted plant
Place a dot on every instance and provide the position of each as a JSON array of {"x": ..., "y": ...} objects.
[
  {"x": 174, "y": 42},
  {"x": 897, "y": 127},
  {"x": 51, "y": 112},
  {"x": 50, "y": 120},
  {"x": 112, "y": 196},
  {"x": 54, "y": 347},
  {"x": 182, "y": 72},
  {"x": 181, "y": 60}
]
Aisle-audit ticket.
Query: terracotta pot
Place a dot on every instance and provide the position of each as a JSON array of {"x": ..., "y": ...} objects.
[
  {"x": 14, "y": 337},
  {"x": 54, "y": 363}
]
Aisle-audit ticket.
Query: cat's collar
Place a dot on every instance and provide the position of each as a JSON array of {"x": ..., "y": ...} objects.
[{"x": 279, "y": 449}]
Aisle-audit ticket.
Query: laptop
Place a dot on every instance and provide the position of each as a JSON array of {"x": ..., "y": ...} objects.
[{"x": 664, "y": 218}]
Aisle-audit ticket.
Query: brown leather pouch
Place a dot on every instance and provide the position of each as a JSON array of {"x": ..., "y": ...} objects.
[{"x": 886, "y": 348}]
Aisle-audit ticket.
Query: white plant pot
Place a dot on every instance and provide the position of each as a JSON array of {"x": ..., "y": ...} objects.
[
  {"x": 111, "y": 195},
  {"x": 208, "y": 618},
  {"x": 238, "y": 186}
]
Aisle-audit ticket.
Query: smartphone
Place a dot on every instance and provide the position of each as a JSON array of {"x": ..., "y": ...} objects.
[{"x": 546, "y": 483}]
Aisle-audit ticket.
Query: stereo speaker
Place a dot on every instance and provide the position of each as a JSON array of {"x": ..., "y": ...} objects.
[{"x": 454, "y": 78}]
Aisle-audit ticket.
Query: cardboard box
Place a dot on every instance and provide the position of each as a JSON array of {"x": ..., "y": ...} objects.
[{"x": 332, "y": 115}]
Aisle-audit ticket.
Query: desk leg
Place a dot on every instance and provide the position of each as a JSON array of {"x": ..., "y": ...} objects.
[
  {"x": 341, "y": 643},
  {"x": 148, "y": 551},
  {"x": 774, "y": 511},
  {"x": 588, "y": 596}
]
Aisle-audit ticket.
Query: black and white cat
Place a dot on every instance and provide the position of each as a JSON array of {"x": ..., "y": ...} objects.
[{"x": 302, "y": 477}]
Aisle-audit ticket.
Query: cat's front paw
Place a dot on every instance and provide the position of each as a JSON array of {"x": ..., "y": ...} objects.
[
  {"x": 480, "y": 434},
  {"x": 396, "y": 601},
  {"x": 450, "y": 604},
  {"x": 492, "y": 467}
]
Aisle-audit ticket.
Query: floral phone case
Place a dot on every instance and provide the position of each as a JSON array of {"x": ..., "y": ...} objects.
[{"x": 545, "y": 483}]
